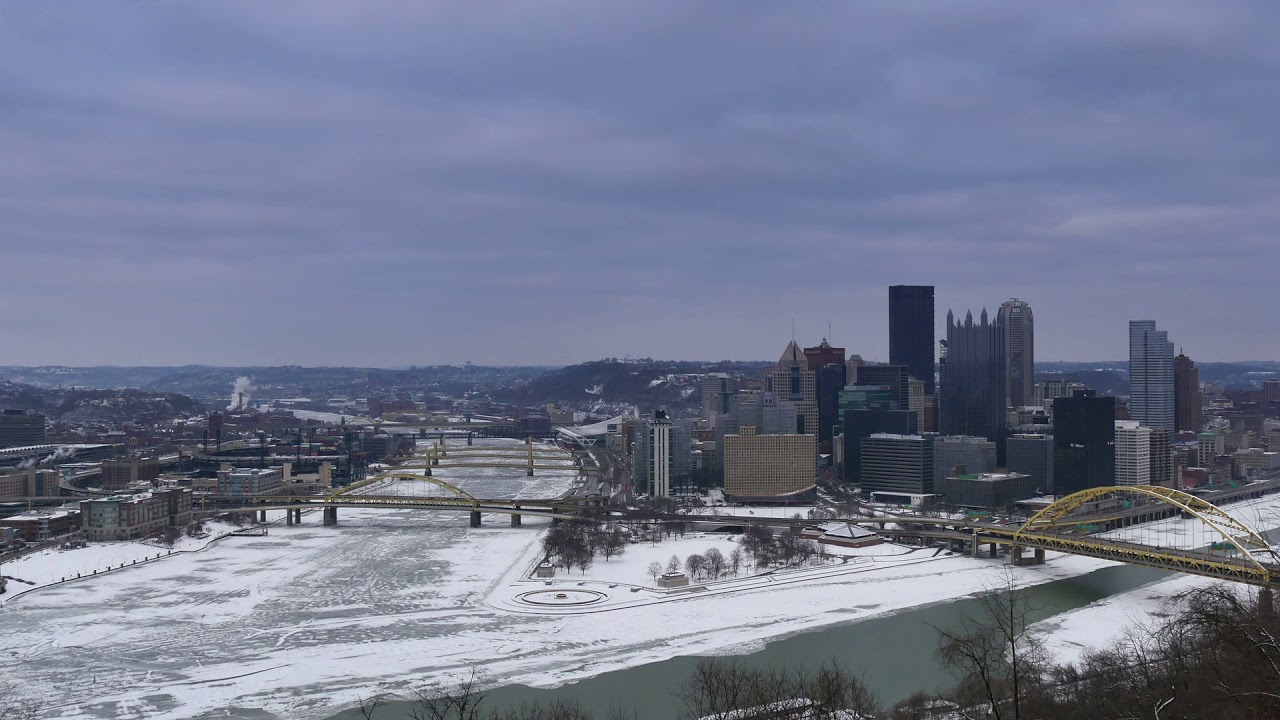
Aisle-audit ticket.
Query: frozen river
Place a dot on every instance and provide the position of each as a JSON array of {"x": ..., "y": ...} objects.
[
  {"x": 291, "y": 625},
  {"x": 308, "y": 620}
]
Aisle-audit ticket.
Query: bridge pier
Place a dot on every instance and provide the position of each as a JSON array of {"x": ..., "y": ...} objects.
[
  {"x": 529, "y": 442},
  {"x": 515, "y": 518},
  {"x": 995, "y": 550},
  {"x": 1266, "y": 604},
  {"x": 330, "y": 516},
  {"x": 475, "y": 518},
  {"x": 1039, "y": 556},
  {"x": 469, "y": 439},
  {"x": 1016, "y": 555},
  {"x": 262, "y": 516},
  {"x": 288, "y": 517}
]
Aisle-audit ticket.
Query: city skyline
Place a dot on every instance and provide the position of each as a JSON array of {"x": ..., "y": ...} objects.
[{"x": 265, "y": 183}]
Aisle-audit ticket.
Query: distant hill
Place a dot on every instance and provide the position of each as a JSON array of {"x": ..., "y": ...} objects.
[
  {"x": 1112, "y": 376},
  {"x": 98, "y": 405},
  {"x": 644, "y": 383}
]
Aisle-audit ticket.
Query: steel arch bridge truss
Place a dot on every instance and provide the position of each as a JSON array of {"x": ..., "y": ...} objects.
[
  {"x": 351, "y": 494},
  {"x": 1048, "y": 529}
]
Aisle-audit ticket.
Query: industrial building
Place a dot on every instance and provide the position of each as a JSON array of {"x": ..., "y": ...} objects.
[{"x": 988, "y": 490}]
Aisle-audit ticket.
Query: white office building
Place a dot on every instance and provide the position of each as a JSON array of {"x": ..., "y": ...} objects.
[{"x": 1133, "y": 453}]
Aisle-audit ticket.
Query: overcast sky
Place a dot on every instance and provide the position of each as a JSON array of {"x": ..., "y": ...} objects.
[{"x": 392, "y": 183}]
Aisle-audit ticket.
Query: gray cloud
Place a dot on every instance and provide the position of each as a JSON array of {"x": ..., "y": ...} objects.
[{"x": 558, "y": 181}]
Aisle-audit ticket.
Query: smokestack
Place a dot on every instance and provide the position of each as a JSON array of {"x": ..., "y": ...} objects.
[{"x": 240, "y": 401}]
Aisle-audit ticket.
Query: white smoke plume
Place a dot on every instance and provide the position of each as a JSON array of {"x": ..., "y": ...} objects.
[
  {"x": 242, "y": 388},
  {"x": 61, "y": 453}
]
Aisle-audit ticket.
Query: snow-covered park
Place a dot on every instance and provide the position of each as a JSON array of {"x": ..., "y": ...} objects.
[{"x": 308, "y": 619}]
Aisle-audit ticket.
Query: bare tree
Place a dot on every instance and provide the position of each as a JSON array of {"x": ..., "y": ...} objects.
[
  {"x": 735, "y": 561},
  {"x": 367, "y": 707},
  {"x": 655, "y": 569},
  {"x": 673, "y": 565},
  {"x": 13, "y": 706},
  {"x": 715, "y": 562},
  {"x": 1002, "y": 663},
  {"x": 461, "y": 701}
]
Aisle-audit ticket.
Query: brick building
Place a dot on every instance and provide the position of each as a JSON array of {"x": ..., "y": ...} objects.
[{"x": 129, "y": 517}]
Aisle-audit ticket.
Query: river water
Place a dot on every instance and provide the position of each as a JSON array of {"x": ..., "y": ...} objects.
[{"x": 893, "y": 653}]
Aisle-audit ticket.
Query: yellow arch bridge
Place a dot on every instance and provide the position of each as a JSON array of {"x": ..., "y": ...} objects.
[{"x": 1234, "y": 550}]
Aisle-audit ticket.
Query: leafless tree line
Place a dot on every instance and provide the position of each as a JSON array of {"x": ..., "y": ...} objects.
[{"x": 575, "y": 544}]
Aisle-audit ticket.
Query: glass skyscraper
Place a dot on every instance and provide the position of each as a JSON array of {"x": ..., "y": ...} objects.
[
  {"x": 911, "y": 331},
  {"x": 1151, "y": 388}
]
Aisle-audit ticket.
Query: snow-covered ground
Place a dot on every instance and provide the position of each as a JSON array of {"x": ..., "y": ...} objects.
[
  {"x": 53, "y": 566},
  {"x": 308, "y": 619}
]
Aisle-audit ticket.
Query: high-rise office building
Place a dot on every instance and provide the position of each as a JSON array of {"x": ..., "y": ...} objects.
[
  {"x": 1188, "y": 404},
  {"x": 960, "y": 454},
  {"x": 663, "y": 449},
  {"x": 717, "y": 392},
  {"x": 762, "y": 411},
  {"x": 19, "y": 428},
  {"x": 831, "y": 380},
  {"x": 828, "y": 362},
  {"x": 1133, "y": 453},
  {"x": 1164, "y": 467},
  {"x": 1084, "y": 440},
  {"x": 769, "y": 468},
  {"x": 1017, "y": 331},
  {"x": 858, "y": 425},
  {"x": 899, "y": 464},
  {"x": 1271, "y": 391},
  {"x": 973, "y": 400},
  {"x": 895, "y": 377},
  {"x": 911, "y": 331},
  {"x": 1151, "y": 396},
  {"x": 792, "y": 381},
  {"x": 823, "y": 354},
  {"x": 1032, "y": 454}
]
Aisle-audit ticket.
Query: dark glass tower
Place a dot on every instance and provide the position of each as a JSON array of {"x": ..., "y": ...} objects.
[
  {"x": 911, "y": 331},
  {"x": 973, "y": 387},
  {"x": 1084, "y": 442}
]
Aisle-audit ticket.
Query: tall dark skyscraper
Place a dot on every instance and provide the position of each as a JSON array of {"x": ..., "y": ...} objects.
[
  {"x": 1017, "y": 329},
  {"x": 1084, "y": 442},
  {"x": 1188, "y": 404},
  {"x": 973, "y": 400},
  {"x": 911, "y": 331}
]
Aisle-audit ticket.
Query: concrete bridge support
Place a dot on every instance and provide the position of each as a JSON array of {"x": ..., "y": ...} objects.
[
  {"x": 1039, "y": 556},
  {"x": 975, "y": 546},
  {"x": 475, "y": 518},
  {"x": 995, "y": 550},
  {"x": 1266, "y": 604},
  {"x": 515, "y": 518},
  {"x": 529, "y": 443},
  {"x": 469, "y": 436},
  {"x": 330, "y": 516},
  {"x": 262, "y": 516},
  {"x": 288, "y": 517}
]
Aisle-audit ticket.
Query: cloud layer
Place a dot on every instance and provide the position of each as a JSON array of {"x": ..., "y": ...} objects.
[{"x": 390, "y": 183}]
